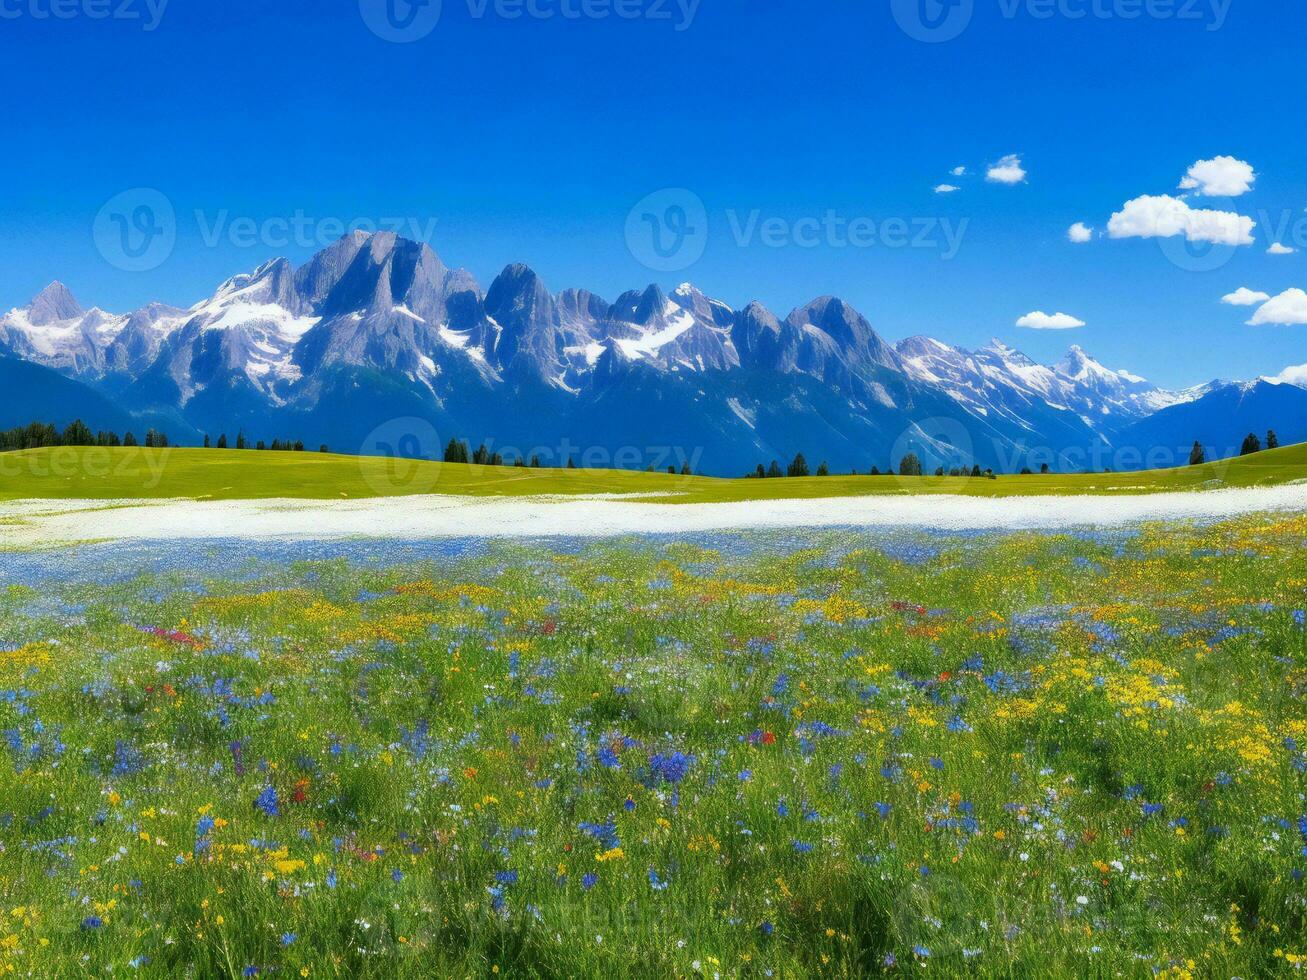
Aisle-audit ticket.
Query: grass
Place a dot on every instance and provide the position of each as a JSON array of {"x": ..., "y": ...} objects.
[
  {"x": 748, "y": 755},
  {"x": 107, "y": 474}
]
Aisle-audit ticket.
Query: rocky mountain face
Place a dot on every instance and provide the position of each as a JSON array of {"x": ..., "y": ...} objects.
[{"x": 377, "y": 328}]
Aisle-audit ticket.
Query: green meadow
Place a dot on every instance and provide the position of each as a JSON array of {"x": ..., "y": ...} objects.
[
  {"x": 130, "y": 473},
  {"x": 754, "y": 755}
]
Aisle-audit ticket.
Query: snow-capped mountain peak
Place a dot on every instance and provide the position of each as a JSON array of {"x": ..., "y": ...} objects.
[{"x": 53, "y": 304}]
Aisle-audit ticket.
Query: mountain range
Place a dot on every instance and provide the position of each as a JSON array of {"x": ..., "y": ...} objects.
[{"x": 376, "y": 332}]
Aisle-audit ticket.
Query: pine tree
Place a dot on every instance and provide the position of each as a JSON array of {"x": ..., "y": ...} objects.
[
  {"x": 535, "y": 462},
  {"x": 206, "y": 441},
  {"x": 975, "y": 470},
  {"x": 1043, "y": 468},
  {"x": 685, "y": 469},
  {"x": 774, "y": 470},
  {"x": 823, "y": 469},
  {"x": 323, "y": 448},
  {"x": 910, "y": 465},
  {"x": 762, "y": 472},
  {"x": 129, "y": 439},
  {"x": 222, "y": 441},
  {"x": 798, "y": 467},
  {"x": 240, "y": 439},
  {"x": 78, "y": 434},
  {"x": 1251, "y": 444},
  {"x": 1272, "y": 440},
  {"x": 875, "y": 471},
  {"x": 1197, "y": 456},
  {"x": 571, "y": 463}
]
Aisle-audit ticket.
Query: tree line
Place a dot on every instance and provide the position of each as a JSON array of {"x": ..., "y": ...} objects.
[
  {"x": 460, "y": 451},
  {"x": 1251, "y": 444},
  {"x": 909, "y": 465},
  {"x": 41, "y": 435},
  {"x": 276, "y": 446}
]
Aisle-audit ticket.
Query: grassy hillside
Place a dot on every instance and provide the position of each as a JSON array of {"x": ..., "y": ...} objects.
[{"x": 108, "y": 474}]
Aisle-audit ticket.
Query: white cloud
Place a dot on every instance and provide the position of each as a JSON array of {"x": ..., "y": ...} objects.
[
  {"x": 1006, "y": 171},
  {"x": 1080, "y": 233},
  {"x": 1163, "y": 216},
  {"x": 958, "y": 171},
  {"x": 1286, "y": 310},
  {"x": 1039, "y": 320},
  {"x": 1293, "y": 376},
  {"x": 946, "y": 188},
  {"x": 1219, "y": 177},
  {"x": 1280, "y": 249},
  {"x": 1243, "y": 296}
]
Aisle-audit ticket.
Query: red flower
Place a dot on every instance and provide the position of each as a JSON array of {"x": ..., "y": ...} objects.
[{"x": 768, "y": 738}]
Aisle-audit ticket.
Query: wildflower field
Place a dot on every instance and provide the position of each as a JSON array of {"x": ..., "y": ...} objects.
[{"x": 740, "y": 755}]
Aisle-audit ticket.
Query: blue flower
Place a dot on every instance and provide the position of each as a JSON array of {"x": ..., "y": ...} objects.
[
  {"x": 803, "y": 847},
  {"x": 670, "y": 768},
  {"x": 267, "y": 801},
  {"x": 287, "y": 938},
  {"x": 589, "y": 880},
  {"x": 92, "y": 922}
]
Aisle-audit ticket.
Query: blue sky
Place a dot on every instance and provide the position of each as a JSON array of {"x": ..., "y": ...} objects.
[{"x": 531, "y": 138}]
